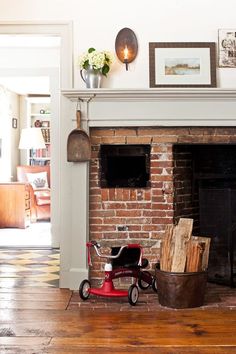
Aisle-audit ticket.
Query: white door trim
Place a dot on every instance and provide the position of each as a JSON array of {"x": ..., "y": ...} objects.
[{"x": 65, "y": 31}]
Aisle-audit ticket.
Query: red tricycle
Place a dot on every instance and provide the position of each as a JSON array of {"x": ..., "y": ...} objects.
[{"x": 124, "y": 261}]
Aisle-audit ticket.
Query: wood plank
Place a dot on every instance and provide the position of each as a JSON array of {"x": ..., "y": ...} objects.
[
  {"x": 55, "y": 349},
  {"x": 179, "y": 254},
  {"x": 36, "y": 290},
  {"x": 182, "y": 234},
  {"x": 24, "y": 341},
  {"x": 188, "y": 224},
  {"x": 36, "y": 305},
  {"x": 59, "y": 297},
  {"x": 195, "y": 256},
  {"x": 205, "y": 256},
  {"x": 149, "y": 350},
  {"x": 167, "y": 249},
  {"x": 166, "y": 328}
]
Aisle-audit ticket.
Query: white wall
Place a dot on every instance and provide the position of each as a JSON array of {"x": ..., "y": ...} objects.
[
  {"x": 9, "y": 108},
  {"x": 96, "y": 23},
  {"x": 15, "y": 133}
]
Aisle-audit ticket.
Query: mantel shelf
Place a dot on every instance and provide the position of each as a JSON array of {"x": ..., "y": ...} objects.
[
  {"x": 172, "y": 94},
  {"x": 155, "y": 107}
]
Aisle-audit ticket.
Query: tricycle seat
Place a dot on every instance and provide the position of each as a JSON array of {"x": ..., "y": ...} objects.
[{"x": 129, "y": 258}]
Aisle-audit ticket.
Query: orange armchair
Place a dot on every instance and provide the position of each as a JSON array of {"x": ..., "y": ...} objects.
[{"x": 38, "y": 178}]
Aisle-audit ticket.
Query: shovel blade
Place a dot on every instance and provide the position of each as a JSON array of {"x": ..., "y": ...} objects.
[{"x": 78, "y": 147}]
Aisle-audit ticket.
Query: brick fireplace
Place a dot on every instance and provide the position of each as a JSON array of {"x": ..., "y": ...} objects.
[
  {"x": 171, "y": 122},
  {"x": 123, "y": 215}
]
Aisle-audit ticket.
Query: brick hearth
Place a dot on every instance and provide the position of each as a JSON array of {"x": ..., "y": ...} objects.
[{"x": 144, "y": 212}]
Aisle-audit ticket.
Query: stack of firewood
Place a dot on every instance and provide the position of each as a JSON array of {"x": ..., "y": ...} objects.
[{"x": 182, "y": 252}]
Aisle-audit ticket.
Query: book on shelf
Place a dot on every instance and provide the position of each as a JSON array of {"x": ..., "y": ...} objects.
[
  {"x": 39, "y": 162},
  {"x": 37, "y": 153},
  {"x": 46, "y": 134}
]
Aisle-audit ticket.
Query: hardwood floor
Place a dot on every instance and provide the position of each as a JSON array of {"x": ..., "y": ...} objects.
[
  {"x": 50, "y": 320},
  {"x": 37, "y": 317}
]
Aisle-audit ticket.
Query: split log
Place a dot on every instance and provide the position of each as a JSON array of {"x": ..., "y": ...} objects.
[
  {"x": 173, "y": 247},
  {"x": 205, "y": 256},
  {"x": 195, "y": 256},
  {"x": 180, "y": 252},
  {"x": 167, "y": 249},
  {"x": 188, "y": 224},
  {"x": 181, "y": 236}
]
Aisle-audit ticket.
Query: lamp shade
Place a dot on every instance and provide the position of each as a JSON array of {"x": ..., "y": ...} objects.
[{"x": 31, "y": 138}]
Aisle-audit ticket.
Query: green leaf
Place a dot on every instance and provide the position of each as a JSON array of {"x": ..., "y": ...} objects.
[
  {"x": 105, "y": 70},
  {"x": 86, "y": 65},
  {"x": 90, "y": 50}
]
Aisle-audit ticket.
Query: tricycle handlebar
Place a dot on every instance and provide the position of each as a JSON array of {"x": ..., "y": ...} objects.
[
  {"x": 108, "y": 255},
  {"x": 97, "y": 246}
]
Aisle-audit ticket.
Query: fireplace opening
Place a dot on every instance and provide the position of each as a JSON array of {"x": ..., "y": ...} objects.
[
  {"x": 205, "y": 190},
  {"x": 125, "y": 166}
]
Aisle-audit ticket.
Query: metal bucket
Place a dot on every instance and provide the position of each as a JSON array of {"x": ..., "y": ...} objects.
[{"x": 181, "y": 290}]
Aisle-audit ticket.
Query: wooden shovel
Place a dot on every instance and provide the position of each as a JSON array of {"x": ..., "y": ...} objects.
[{"x": 78, "y": 143}]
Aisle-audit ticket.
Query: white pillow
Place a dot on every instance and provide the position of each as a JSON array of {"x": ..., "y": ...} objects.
[{"x": 38, "y": 180}]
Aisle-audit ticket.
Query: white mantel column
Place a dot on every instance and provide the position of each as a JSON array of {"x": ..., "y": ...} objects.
[{"x": 74, "y": 206}]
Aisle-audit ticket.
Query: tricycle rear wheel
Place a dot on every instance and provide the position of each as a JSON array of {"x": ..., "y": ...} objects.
[
  {"x": 142, "y": 284},
  {"x": 154, "y": 284}
]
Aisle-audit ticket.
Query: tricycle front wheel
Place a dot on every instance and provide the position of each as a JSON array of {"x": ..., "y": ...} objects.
[
  {"x": 133, "y": 294},
  {"x": 84, "y": 289}
]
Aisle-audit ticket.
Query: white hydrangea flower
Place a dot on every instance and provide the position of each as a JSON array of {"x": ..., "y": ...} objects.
[{"x": 100, "y": 61}]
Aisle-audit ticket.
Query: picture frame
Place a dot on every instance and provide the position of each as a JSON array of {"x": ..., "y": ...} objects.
[
  {"x": 177, "y": 64},
  {"x": 45, "y": 124},
  {"x": 227, "y": 48},
  {"x": 14, "y": 123}
]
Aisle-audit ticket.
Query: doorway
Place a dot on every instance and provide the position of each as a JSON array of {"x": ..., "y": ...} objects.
[
  {"x": 20, "y": 85},
  {"x": 64, "y": 30}
]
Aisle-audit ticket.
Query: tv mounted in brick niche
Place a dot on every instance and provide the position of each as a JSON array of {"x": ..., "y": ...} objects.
[{"x": 125, "y": 166}]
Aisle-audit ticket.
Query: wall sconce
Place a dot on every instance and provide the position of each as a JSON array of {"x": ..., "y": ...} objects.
[{"x": 126, "y": 46}]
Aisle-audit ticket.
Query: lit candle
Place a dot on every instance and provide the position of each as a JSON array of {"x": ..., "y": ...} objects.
[{"x": 126, "y": 53}]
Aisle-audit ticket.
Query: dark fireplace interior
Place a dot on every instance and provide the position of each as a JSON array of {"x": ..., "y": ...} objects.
[
  {"x": 125, "y": 166},
  {"x": 205, "y": 189}
]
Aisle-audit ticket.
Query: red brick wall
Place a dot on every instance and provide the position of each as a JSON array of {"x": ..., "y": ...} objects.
[{"x": 143, "y": 213}]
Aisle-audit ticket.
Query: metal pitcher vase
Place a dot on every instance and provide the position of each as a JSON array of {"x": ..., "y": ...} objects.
[{"x": 91, "y": 77}]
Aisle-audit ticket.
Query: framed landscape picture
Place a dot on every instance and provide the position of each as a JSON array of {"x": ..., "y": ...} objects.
[
  {"x": 182, "y": 64},
  {"x": 227, "y": 48}
]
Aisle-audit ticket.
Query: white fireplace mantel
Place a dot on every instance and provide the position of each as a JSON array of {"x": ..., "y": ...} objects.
[
  {"x": 157, "y": 107},
  {"x": 122, "y": 108}
]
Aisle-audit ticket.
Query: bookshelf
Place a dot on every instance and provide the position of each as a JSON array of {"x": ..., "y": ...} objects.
[{"x": 39, "y": 116}]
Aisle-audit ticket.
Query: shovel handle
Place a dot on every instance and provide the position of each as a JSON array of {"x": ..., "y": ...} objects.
[{"x": 78, "y": 118}]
